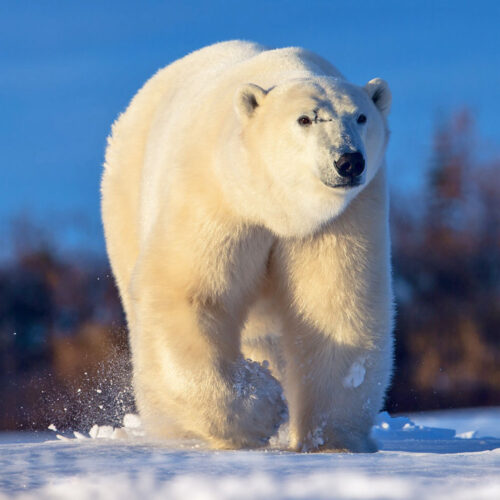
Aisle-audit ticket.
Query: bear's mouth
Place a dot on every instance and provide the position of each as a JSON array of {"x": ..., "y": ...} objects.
[{"x": 347, "y": 184}]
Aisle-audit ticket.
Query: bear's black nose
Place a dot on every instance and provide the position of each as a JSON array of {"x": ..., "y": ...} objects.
[{"x": 350, "y": 164}]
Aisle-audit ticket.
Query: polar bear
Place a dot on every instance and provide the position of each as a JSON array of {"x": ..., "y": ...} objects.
[{"x": 245, "y": 210}]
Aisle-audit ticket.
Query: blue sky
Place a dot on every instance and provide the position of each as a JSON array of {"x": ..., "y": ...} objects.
[{"x": 69, "y": 67}]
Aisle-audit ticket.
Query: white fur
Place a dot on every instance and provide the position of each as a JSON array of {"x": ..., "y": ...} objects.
[{"x": 225, "y": 236}]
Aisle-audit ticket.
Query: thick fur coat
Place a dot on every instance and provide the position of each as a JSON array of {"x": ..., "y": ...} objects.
[{"x": 246, "y": 266}]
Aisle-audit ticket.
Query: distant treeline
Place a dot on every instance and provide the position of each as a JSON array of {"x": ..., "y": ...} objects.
[
  {"x": 63, "y": 346},
  {"x": 446, "y": 259}
]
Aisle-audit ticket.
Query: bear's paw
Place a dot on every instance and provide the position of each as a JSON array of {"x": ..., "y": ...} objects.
[{"x": 257, "y": 406}]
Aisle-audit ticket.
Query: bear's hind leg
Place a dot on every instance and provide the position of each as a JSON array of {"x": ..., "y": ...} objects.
[{"x": 261, "y": 336}]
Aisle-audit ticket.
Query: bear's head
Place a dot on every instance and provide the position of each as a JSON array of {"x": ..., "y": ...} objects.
[{"x": 310, "y": 145}]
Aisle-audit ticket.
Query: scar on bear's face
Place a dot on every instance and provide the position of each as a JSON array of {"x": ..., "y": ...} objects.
[{"x": 317, "y": 119}]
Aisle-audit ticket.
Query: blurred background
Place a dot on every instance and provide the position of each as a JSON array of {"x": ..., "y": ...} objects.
[{"x": 69, "y": 68}]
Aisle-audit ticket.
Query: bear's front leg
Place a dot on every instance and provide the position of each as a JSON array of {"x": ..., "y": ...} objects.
[
  {"x": 336, "y": 299},
  {"x": 334, "y": 389},
  {"x": 189, "y": 303}
]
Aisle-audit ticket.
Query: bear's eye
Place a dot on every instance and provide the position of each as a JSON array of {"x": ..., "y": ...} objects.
[
  {"x": 361, "y": 119},
  {"x": 305, "y": 121}
]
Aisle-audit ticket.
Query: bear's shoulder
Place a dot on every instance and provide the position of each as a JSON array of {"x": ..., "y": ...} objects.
[
  {"x": 226, "y": 53},
  {"x": 291, "y": 59},
  {"x": 252, "y": 59}
]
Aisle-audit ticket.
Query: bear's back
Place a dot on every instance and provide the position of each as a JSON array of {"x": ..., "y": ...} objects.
[
  {"x": 244, "y": 62},
  {"x": 273, "y": 67}
]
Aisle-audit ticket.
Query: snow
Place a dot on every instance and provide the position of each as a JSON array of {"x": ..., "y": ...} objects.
[
  {"x": 422, "y": 456},
  {"x": 402, "y": 428},
  {"x": 356, "y": 374},
  {"x": 484, "y": 422}
]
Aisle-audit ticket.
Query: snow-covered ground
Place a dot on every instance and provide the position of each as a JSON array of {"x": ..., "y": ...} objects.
[{"x": 453, "y": 455}]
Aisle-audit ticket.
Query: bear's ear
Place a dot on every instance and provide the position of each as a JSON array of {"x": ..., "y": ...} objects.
[
  {"x": 247, "y": 99},
  {"x": 379, "y": 92}
]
